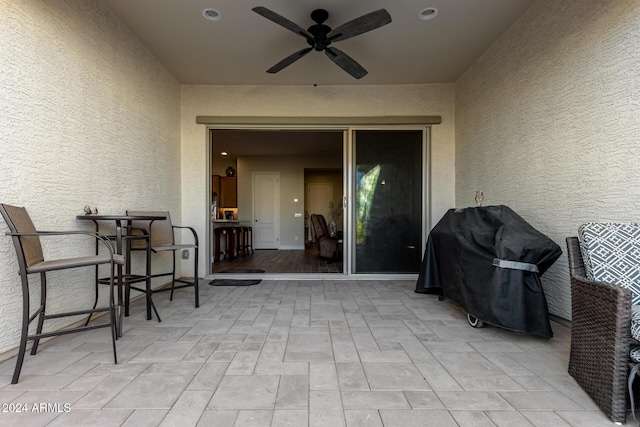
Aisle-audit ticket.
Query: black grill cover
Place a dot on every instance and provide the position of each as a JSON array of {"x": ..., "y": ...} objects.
[{"x": 459, "y": 263}]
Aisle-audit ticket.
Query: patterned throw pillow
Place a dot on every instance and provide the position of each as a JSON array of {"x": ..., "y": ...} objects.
[
  {"x": 635, "y": 325},
  {"x": 611, "y": 254}
]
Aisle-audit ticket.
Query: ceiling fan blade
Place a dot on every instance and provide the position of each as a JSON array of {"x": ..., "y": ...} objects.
[
  {"x": 345, "y": 62},
  {"x": 281, "y": 20},
  {"x": 365, "y": 23},
  {"x": 289, "y": 60}
]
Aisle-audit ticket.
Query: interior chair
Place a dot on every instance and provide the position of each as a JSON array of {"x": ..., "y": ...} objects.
[
  {"x": 327, "y": 245},
  {"x": 162, "y": 239},
  {"x": 31, "y": 260},
  {"x": 600, "y": 336}
]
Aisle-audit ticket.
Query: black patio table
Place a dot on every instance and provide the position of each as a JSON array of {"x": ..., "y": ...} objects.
[{"x": 123, "y": 222}]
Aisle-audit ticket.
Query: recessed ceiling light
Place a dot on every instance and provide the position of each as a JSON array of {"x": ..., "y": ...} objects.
[
  {"x": 211, "y": 14},
  {"x": 224, "y": 153},
  {"x": 428, "y": 13}
]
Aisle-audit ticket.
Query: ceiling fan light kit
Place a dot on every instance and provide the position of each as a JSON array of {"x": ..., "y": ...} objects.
[{"x": 320, "y": 37}]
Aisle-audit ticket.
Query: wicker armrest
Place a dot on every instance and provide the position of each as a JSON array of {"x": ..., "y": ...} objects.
[{"x": 600, "y": 337}]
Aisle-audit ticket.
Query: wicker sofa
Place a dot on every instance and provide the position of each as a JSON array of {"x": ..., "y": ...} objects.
[{"x": 600, "y": 337}]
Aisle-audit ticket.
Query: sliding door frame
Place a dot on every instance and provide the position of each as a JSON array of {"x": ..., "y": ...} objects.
[
  {"x": 351, "y": 190},
  {"x": 422, "y": 123}
]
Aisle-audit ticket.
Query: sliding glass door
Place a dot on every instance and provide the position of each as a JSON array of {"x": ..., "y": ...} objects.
[{"x": 388, "y": 201}]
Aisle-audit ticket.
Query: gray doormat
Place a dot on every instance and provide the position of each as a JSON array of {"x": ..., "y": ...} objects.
[{"x": 233, "y": 282}]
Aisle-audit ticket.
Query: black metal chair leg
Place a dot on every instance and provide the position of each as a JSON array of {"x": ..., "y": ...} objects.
[
  {"x": 120, "y": 310},
  {"x": 149, "y": 291},
  {"x": 114, "y": 333},
  {"x": 195, "y": 277},
  {"x": 127, "y": 296},
  {"x": 97, "y": 275},
  {"x": 173, "y": 276},
  {"x": 21, "y": 352},
  {"x": 112, "y": 314},
  {"x": 43, "y": 306},
  {"x": 25, "y": 331},
  {"x": 155, "y": 311},
  {"x": 95, "y": 301},
  {"x": 148, "y": 296}
]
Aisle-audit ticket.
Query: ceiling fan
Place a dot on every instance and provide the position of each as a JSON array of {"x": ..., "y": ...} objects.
[{"x": 320, "y": 37}]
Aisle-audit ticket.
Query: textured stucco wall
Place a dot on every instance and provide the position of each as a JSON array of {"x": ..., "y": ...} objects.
[
  {"x": 548, "y": 122},
  {"x": 87, "y": 116},
  {"x": 302, "y": 101}
]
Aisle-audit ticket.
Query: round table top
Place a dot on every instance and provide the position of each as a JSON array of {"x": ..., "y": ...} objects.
[{"x": 122, "y": 217}]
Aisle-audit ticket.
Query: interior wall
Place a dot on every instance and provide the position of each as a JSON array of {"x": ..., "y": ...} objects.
[
  {"x": 305, "y": 101},
  {"x": 220, "y": 167},
  {"x": 548, "y": 123},
  {"x": 291, "y": 188},
  {"x": 87, "y": 117},
  {"x": 335, "y": 178}
]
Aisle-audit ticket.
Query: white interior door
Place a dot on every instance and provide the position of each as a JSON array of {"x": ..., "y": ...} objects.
[
  {"x": 266, "y": 232},
  {"x": 320, "y": 194}
]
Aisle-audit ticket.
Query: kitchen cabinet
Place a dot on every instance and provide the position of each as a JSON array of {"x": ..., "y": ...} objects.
[
  {"x": 226, "y": 189},
  {"x": 215, "y": 188},
  {"x": 228, "y": 192}
]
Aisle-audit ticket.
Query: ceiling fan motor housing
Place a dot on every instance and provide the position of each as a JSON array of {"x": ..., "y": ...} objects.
[
  {"x": 319, "y": 41},
  {"x": 319, "y": 31}
]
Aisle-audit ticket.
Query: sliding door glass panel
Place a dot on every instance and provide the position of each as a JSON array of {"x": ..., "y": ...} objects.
[{"x": 388, "y": 201}]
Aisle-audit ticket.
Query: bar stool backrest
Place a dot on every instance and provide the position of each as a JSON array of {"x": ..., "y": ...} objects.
[
  {"x": 28, "y": 247},
  {"x": 161, "y": 231}
]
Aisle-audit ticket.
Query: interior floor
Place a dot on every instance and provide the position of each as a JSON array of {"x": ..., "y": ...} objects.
[{"x": 281, "y": 261}]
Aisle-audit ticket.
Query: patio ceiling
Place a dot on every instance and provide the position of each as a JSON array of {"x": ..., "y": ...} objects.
[{"x": 240, "y": 47}]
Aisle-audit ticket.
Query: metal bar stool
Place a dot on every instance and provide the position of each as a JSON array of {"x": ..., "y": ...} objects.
[
  {"x": 238, "y": 242},
  {"x": 229, "y": 234},
  {"x": 247, "y": 232}
]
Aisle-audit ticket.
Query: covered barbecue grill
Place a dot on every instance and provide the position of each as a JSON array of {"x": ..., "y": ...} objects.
[{"x": 488, "y": 260}]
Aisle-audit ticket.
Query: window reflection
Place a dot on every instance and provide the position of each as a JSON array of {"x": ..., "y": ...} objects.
[
  {"x": 388, "y": 201},
  {"x": 365, "y": 191}
]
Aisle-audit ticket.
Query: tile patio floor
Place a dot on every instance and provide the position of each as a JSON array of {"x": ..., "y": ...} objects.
[{"x": 301, "y": 353}]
